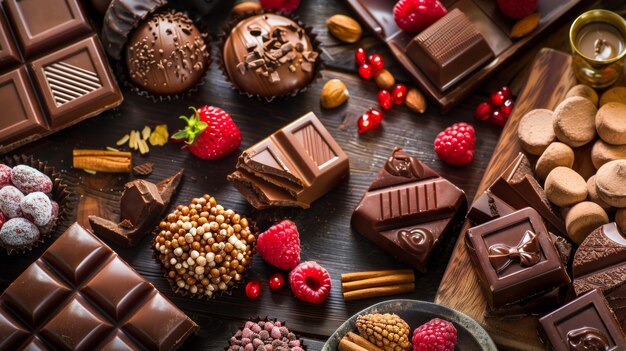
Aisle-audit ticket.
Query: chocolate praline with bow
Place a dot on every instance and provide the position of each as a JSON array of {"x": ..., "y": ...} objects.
[
  {"x": 408, "y": 209},
  {"x": 515, "y": 258}
]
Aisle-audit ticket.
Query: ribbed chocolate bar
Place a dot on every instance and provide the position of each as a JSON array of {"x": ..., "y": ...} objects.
[
  {"x": 407, "y": 209},
  {"x": 80, "y": 295},
  {"x": 61, "y": 66},
  {"x": 293, "y": 167},
  {"x": 449, "y": 50}
]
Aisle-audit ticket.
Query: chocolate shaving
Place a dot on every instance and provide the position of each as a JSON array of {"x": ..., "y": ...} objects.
[{"x": 144, "y": 169}]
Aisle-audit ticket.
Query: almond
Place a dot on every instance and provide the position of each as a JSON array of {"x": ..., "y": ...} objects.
[
  {"x": 344, "y": 28},
  {"x": 246, "y": 7},
  {"x": 384, "y": 79},
  {"x": 525, "y": 25},
  {"x": 334, "y": 93},
  {"x": 415, "y": 101}
]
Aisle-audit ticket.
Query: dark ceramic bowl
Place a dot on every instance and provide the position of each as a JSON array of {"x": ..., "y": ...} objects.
[{"x": 471, "y": 336}]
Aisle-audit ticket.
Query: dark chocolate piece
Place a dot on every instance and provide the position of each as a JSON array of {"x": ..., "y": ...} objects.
[
  {"x": 141, "y": 207},
  {"x": 293, "y": 167},
  {"x": 144, "y": 169},
  {"x": 8, "y": 52},
  {"x": 517, "y": 188},
  {"x": 408, "y": 209},
  {"x": 38, "y": 30},
  {"x": 272, "y": 67},
  {"x": 80, "y": 295},
  {"x": 449, "y": 50},
  {"x": 600, "y": 263},
  {"x": 167, "y": 54},
  {"x": 515, "y": 258},
  {"x": 121, "y": 18},
  {"x": 585, "y": 324},
  {"x": 74, "y": 82}
]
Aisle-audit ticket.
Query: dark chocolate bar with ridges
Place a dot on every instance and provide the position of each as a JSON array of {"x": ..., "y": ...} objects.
[{"x": 80, "y": 295}]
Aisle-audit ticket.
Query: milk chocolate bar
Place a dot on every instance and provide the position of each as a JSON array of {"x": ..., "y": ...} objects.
[
  {"x": 80, "y": 295},
  {"x": 600, "y": 263},
  {"x": 408, "y": 209},
  {"x": 293, "y": 167},
  {"x": 586, "y": 323},
  {"x": 54, "y": 74},
  {"x": 515, "y": 258},
  {"x": 472, "y": 42}
]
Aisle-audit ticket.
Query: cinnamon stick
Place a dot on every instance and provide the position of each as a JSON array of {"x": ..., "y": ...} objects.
[
  {"x": 378, "y": 291},
  {"x": 347, "y": 345},
  {"x": 349, "y": 277},
  {"x": 394, "y": 279},
  {"x": 92, "y": 152},
  {"x": 102, "y": 161},
  {"x": 363, "y": 342}
]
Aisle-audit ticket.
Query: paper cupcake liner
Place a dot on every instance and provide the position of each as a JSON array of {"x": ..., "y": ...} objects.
[
  {"x": 315, "y": 43},
  {"x": 273, "y": 320},
  {"x": 185, "y": 292},
  {"x": 60, "y": 193},
  {"x": 121, "y": 71}
]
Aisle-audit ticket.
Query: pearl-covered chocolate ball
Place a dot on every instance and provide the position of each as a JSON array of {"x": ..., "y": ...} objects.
[{"x": 167, "y": 54}]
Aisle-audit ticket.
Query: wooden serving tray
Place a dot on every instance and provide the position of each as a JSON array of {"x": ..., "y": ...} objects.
[
  {"x": 550, "y": 77},
  {"x": 485, "y": 14}
]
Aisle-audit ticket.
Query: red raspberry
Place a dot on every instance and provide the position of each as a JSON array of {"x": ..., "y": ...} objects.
[
  {"x": 455, "y": 145},
  {"x": 416, "y": 15},
  {"x": 280, "y": 245},
  {"x": 517, "y": 9},
  {"x": 286, "y": 6},
  {"x": 435, "y": 335},
  {"x": 310, "y": 282}
]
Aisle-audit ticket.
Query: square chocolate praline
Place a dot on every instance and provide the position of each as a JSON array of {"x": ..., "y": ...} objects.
[
  {"x": 515, "y": 282},
  {"x": 584, "y": 321}
]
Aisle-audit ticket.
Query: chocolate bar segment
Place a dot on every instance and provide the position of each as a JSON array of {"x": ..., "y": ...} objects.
[
  {"x": 408, "y": 209},
  {"x": 515, "y": 258},
  {"x": 586, "y": 323},
  {"x": 8, "y": 52},
  {"x": 449, "y": 50},
  {"x": 21, "y": 116},
  {"x": 42, "y": 25},
  {"x": 293, "y": 167},
  {"x": 74, "y": 82},
  {"x": 80, "y": 295}
]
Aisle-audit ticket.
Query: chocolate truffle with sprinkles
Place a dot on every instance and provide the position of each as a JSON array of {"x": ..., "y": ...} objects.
[
  {"x": 167, "y": 54},
  {"x": 269, "y": 55}
]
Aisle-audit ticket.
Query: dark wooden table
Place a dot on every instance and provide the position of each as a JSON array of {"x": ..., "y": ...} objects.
[{"x": 325, "y": 232}]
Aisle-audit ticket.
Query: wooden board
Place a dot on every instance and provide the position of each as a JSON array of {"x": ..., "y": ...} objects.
[{"x": 550, "y": 77}]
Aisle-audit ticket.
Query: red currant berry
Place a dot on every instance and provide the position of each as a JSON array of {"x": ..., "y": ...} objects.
[
  {"x": 398, "y": 94},
  {"x": 482, "y": 111},
  {"x": 366, "y": 71},
  {"x": 377, "y": 63},
  {"x": 497, "y": 98},
  {"x": 384, "y": 99},
  {"x": 276, "y": 281},
  {"x": 253, "y": 289},
  {"x": 497, "y": 118},
  {"x": 359, "y": 56},
  {"x": 507, "y": 107},
  {"x": 506, "y": 92},
  {"x": 369, "y": 120}
]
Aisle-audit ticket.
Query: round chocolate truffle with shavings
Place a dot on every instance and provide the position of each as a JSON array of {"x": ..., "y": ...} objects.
[
  {"x": 204, "y": 249},
  {"x": 63, "y": 203},
  {"x": 167, "y": 54},
  {"x": 270, "y": 55},
  {"x": 258, "y": 332}
]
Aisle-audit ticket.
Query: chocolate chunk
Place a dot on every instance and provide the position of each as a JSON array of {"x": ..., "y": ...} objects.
[
  {"x": 586, "y": 323},
  {"x": 306, "y": 66},
  {"x": 144, "y": 169},
  {"x": 274, "y": 77},
  {"x": 81, "y": 295},
  {"x": 487, "y": 207},
  {"x": 142, "y": 204},
  {"x": 408, "y": 209},
  {"x": 515, "y": 258},
  {"x": 293, "y": 167}
]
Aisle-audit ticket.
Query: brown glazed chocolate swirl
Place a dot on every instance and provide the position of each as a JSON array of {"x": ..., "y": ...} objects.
[
  {"x": 527, "y": 252},
  {"x": 587, "y": 339},
  {"x": 417, "y": 240},
  {"x": 402, "y": 165}
]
